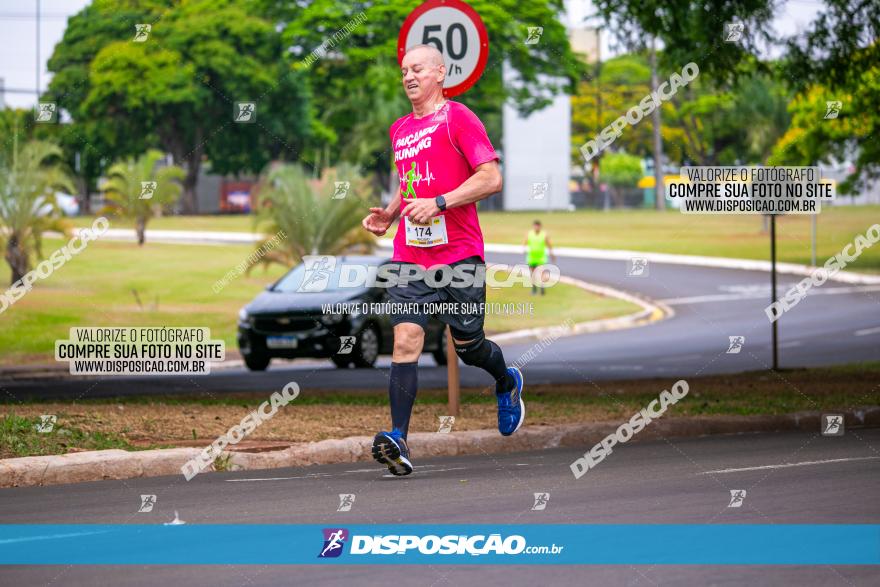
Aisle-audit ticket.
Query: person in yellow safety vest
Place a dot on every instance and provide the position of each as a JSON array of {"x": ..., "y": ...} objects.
[{"x": 537, "y": 246}]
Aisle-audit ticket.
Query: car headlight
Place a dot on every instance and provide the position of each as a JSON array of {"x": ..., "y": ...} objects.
[
  {"x": 243, "y": 315},
  {"x": 329, "y": 319}
]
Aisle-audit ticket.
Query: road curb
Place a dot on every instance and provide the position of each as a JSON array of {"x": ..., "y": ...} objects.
[
  {"x": 652, "y": 311},
  {"x": 120, "y": 464},
  {"x": 844, "y": 276}
]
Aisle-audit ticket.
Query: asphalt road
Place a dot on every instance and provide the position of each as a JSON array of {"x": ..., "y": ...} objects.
[
  {"x": 835, "y": 324},
  {"x": 688, "y": 481}
]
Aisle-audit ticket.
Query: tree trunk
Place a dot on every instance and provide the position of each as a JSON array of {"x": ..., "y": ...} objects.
[
  {"x": 176, "y": 144},
  {"x": 140, "y": 228},
  {"x": 16, "y": 256},
  {"x": 190, "y": 201}
]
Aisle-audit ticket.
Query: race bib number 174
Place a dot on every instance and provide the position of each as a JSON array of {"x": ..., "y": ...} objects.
[{"x": 429, "y": 234}]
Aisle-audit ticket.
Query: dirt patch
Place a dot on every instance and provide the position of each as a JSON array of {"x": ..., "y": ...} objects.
[
  {"x": 186, "y": 421},
  {"x": 155, "y": 424}
]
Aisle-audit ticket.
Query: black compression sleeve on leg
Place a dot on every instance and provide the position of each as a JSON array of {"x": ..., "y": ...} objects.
[
  {"x": 402, "y": 388},
  {"x": 487, "y": 355}
]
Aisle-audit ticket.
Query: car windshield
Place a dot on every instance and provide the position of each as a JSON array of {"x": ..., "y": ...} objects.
[{"x": 323, "y": 275}]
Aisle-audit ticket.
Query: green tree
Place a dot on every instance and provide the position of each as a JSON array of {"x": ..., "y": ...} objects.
[
  {"x": 178, "y": 89},
  {"x": 620, "y": 170},
  {"x": 360, "y": 65},
  {"x": 138, "y": 188},
  {"x": 622, "y": 82},
  {"x": 291, "y": 202},
  {"x": 836, "y": 60},
  {"x": 693, "y": 31},
  {"x": 702, "y": 123},
  {"x": 29, "y": 176}
]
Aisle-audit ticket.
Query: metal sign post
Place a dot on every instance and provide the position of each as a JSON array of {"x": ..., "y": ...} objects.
[
  {"x": 454, "y": 386},
  {"x": 773, "y": 289}
]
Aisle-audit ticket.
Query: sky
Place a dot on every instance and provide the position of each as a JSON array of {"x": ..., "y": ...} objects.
[{"x": 18, "y": 37}]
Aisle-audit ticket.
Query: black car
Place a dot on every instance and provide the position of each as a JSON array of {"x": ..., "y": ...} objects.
[{"x": 287, "y": 323}]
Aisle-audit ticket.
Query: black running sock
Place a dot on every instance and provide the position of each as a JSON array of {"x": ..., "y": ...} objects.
[
  {"x": 402, "y": 390},
  {"x": 494, "y": 364}
]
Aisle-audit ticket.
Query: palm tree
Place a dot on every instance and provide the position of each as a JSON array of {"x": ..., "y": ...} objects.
[
  {"x": 29, "y": 177},
  {"x": 136, "y": 189},
  {"x": 290, "y": 202}
]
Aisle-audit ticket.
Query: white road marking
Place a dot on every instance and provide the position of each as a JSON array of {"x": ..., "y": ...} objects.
[
  {"x": 51, "y": 537},
  {"x": 312, "y": 476},
  {"x": 373, "y": 470},
  {"x": 419, "y": 469},
  {"x": 787, "y": 465},
  {"x": 867, "y": 331},
  {"x": 416, "y": 471},
  {"x": 756, "y": 296},
  {"x": 679, "y": 358}
]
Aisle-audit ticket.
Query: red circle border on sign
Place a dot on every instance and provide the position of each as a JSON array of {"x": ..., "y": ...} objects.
[{"x": 424, "y": 7}]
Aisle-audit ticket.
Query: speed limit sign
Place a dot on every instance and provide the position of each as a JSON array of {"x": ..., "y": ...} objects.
[{"x": 458, "y": 32}]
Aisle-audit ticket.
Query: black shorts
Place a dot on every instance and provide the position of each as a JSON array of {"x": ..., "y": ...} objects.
[{"x": 465, "y": 325}]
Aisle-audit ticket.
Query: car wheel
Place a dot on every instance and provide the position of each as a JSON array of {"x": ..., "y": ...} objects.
[
  {"x": 440, "y": 354},
  {"x": 257, "y": 361},
  {"x": 341, "y": 361},
  {"x": 366, "y": 351}
]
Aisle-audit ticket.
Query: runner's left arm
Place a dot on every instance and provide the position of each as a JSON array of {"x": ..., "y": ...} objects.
[{"x": 485, "y": 181}]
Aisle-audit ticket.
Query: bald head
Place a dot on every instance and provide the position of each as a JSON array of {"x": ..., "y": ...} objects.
[
  {"x": 423, "y": 73},
  {"x": 427, "y": 53}
]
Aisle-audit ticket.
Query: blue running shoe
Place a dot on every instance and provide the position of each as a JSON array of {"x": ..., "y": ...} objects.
[
  {"x": 511, "y": 409},
  {"x": 389, "y": 448}
]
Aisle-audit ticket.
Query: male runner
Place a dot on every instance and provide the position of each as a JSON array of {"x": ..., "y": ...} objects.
[
  {"x": 439, "y": 226},
  {"x": 537, "y": 245}
]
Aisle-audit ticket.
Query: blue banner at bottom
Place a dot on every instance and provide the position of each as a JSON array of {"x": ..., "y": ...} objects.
[{"x": 568, "y": 544}]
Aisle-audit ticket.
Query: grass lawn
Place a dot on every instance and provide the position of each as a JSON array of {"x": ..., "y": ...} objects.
[
  {"x": 102, "y": 285},
  {"x": 644, "y": 230},
  {"x": 216, "y": 222},
  {"x": 148, "y": 422}
]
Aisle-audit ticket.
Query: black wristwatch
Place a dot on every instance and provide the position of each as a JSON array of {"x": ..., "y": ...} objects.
[{"x": 441, "y": 203}]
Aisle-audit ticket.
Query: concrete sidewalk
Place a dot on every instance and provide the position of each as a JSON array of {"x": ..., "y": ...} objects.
[{"x": 119, "y": 464}]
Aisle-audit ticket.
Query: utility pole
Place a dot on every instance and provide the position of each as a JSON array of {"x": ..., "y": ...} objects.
[
  {"x": 38, "y": 50},
  {"x": 813, "y": 239},
  {"x": 597, "y": 178},
  {"x": 659, "y": 187}
]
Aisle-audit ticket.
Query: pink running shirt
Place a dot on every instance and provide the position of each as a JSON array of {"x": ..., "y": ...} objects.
[{"x": 446, "y": 147}]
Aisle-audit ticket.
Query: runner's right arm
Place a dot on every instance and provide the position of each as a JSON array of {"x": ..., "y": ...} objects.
[{"x": 379, "y": 220}]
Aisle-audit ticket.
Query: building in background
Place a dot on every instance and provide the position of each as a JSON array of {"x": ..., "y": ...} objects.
[{"x": 537, "y": 149}]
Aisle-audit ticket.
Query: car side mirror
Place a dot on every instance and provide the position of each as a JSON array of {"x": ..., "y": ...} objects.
[{"x": 269, "y": 287}]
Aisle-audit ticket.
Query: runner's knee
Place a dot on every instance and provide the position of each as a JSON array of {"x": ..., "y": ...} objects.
[
  {"x": 474, "y": 351},
  {"x": 408, "y": 338}
]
